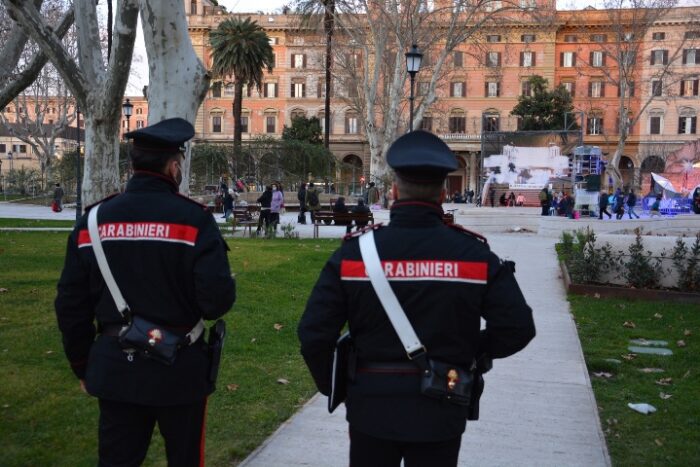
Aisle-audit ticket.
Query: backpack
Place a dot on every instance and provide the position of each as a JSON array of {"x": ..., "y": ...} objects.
[{"x": 313, "y": 197}]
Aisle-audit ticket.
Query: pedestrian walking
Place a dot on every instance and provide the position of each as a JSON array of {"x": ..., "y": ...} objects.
[
  {"x": 167, "y": 257},
  {"x": 58, "y": 194},
  {"x": 265, "y": 200},
  {"x": 313, "y": 203},
  {"x": 603, "y": 205},
  {"x": 631, "y": 203},
  {"x": 545, "y": 201},
  {"x": 301, "y": 196},
  {"x": 445, "y": 280},
  {"x": 228, "y": 204},
  {"x": 276, "y": 206}
]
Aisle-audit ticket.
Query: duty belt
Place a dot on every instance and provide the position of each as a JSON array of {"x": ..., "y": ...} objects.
[
  {"x": 113, "y": 330},
  {"x": 397, "y": 367}
]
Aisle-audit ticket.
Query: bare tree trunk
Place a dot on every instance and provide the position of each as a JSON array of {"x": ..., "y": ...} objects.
[
  {"x": 328, "y": 24},
  {"x": 178, "y": 81}
]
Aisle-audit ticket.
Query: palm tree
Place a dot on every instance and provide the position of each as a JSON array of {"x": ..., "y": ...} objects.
[
  {"x": 309, "y": 9},
  {"x": 240, "y": 48}
]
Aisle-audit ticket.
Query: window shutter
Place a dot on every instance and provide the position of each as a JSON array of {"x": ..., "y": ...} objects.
[
  {"x": 291, "y": 92},
  {"x": 488, "y": 61},
  {"x": 695, "y": 87},
  {"x": 602, "y": 89},
  {"x": 303, "y": 90},
  {"x": 631, "y": 89},
  {"x": 693, "y": 121},
  {"x": 603, "y": 58},
  {"x": 697, "y": 56},
  {"x": 522, "y": 58},
  {"x": 498, "y": 56},
  {"x": 653, "y": 57},
  {"x": 303, "y": 64},
  {"x": 682, "y": 88},
  {"x": 685, "y": 56},
  {"x": 573, "y": 59},
  {"x": 533, "y": 56},
  {"x": 573, "y": 89},
  {"x": 561, "y": 59},
  {"x": 265, "y": 90},
  {"x": 498, "y": 89},
  {"x": 665, "y": 57},
  {"x": 276, "y": 91},
  {"x": 601, "y": 127},
  {"x": 681, "y": 125},
  {"x": 452, "y": 89},
  {"x": 590, "y": 60},
  {"x": 590, "y": 89},
  {"x": 464, "y": 88},
  {"x": 486, "y": 89}
]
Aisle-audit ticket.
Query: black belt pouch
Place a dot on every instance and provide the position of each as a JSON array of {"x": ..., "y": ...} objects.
[
  {"x": 150, "y": 340},
  {"x": 217, "y": 333},
  {"x": 448, "y": 382}
]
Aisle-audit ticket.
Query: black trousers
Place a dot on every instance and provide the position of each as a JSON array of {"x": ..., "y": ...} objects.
[
  {"x": 368, "y": 451},
  {"x": 125, "y": 432}
]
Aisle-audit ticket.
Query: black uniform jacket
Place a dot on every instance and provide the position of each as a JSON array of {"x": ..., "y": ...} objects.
[
  {"x": 169, "y": 260},
  {"x": 446, "y": 279}
]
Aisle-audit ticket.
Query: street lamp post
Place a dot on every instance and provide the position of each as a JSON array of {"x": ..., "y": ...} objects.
[
  {"x": 78, "y": 181},
  {"x": 127, "y": 108},
  {"x": 413, "y": 59}
]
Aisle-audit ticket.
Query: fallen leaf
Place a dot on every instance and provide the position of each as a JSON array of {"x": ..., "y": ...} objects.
[
  {"x": 253, "y": 340},
  {"x": 651, "y": 370},
  {"x": 658, "y": 442},
  {"x": 596, "y": 295},
  {"x": 629, "y": 356},
  {"x": 49, "y": 352},
  {"x": 687, "y": 332},
  {"x": 232, "y": 387},
  {"x": 629, "y": 324},
  {"x": 665, "y": 396},
  {"x": 278, "y": 326},
  {"x": 6, "y": 406},
  {"x": 602, "y": 374},
  {"x": 658, "y": 315},
  {"x": 681, "y": 343},
  {"x": 664, "y": 381},
  {"x": 687, "y": 373},
  {"x": 283, "y": 381},
  {"x": 3, "y": 290},
  {"x": 621, "y": 306}
]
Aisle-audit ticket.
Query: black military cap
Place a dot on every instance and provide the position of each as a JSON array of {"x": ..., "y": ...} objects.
[
  {"x": 421, "y": 156},
  {"x": 168, "y": 135}
]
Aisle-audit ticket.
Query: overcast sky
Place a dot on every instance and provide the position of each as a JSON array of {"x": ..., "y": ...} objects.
[{"x": 139, "y": 67}]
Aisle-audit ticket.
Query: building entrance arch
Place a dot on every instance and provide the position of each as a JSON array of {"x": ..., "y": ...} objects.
[{"x": 351, "y": 170}]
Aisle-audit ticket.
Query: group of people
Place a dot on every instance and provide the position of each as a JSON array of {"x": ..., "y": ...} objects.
[
  {"x": 618, "y": 201},
  {"x": 466, "y": 197},
  {"x": 168, "y": 258}
]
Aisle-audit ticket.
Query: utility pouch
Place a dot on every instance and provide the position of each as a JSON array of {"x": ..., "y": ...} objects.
[
  {"x": 446, "y": 381},
  {"x": 150, "y": 340},
  {"x": 217, "y": 333}
]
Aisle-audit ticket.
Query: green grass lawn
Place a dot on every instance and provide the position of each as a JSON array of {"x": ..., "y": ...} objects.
[
  {"x": 46, "y": 420},
  {"x": 671, "y": 436},
  {"x": 4, "y": 222}
]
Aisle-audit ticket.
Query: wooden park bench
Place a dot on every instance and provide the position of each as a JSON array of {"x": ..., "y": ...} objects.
[
  {"x": 244, "y": 216},
  {"x": 341, "y": 219}
]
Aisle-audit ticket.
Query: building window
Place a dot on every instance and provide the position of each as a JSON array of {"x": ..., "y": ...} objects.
[
  {"x": 597, "y": 59},
  {"x": 193, "y": 7},
  {"x": 493, "y": 59},
  {"x": 274, "y": 40},
  {"x": 351, "y": 124},
  {"x": 298, "y": 60},
  {"x": 270, "y": 90},
  {"x": 567, "y": 59},
  {"x": 298, "y": 90},
  {"x": 599, "y": 38},
  {"x": 3, "y": 148},
  {"x": 244, "y": 124},
  {"x": 493, "y": 5},
  {"x": 658, "y": 36},
  {"x": 216, "y": 124},
  {"x": 655, "y": 124},
  {"x": 628, "y": 57},
  {"x": 627, "y": 37},
  {"x": 656, "y": 87},
  {"x": 458, "y": 89},
  {"x": 457, "y": 124},
  {"x": 691, "y": 56},
  {"x": 595, "y": 126},
  {"x": 570, "y": 86},
  {"x": 527, "y": 38},
  {"x": 139, "y": 124},
  {"x": 229, "y": 90},
  {"x": 427, "y": 124},
  {"x": 687, "y": 125},
  {"x": 527, "y": 89},
  {"x": 457, "y": 59},
  {"x": 270, "y": 124},
  {"x": 423, "y": 88},
  {"x": 692, "y": 34},
  {"x": 139, "y": 111},
  {"x": 493, "y": 89},
  {"x": 528, "y": 4},
  {"x": 492, "y": 123},
  {"x": 527, "y": 59},
  {"x": 689, "y": 87},
  {"x": 596, "y": 89},
  {"x": 493, "y": 38},
  {"x": 322, "y": 122},
  {"x": 659, "y": 57},
  {"x": 216, "y": 90},
  {"x": 630, "y": 89},
  {"x": 570, "y": 38},
  {"x": 351, "y": 89}
]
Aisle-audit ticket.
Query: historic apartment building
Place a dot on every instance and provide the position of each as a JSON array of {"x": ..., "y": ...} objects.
[{"x": 584, "y": 50}]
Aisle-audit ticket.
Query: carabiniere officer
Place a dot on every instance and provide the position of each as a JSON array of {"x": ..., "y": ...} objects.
[
  {"x": 169, "y": 261},
  {"x": 389, "y": 418}
]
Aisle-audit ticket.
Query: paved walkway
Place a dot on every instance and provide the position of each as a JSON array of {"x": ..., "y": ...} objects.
[{"x": 538, "y": 408}]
